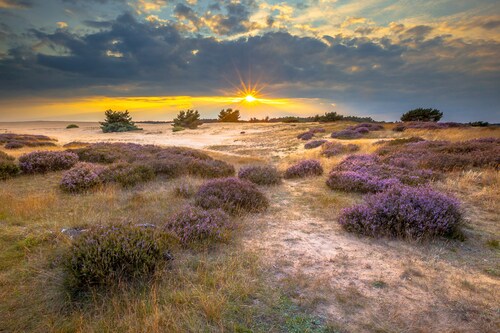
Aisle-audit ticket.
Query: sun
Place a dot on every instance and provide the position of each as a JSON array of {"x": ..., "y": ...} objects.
[{"x": 250, "y": 98}]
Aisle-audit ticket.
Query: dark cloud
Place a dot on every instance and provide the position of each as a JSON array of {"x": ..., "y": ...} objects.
[
  {"x": 236, "y": 19},
  {"x": 184, "y": 12}
]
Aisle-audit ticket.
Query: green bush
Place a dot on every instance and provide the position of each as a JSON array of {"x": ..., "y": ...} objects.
[
  {"x": 112, "y": 254},
  {"x": 421, "y": 114},
  {"x": 186, "y": 119},
  {"x": 8, "y": 168},
  {"x": 228, "y": 116},
  {"x": 118, "y": 121},
  {"x": 72, "y": 126}
]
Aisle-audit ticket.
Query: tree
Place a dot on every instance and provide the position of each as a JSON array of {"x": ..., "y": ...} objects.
[
  {"x": 118, "y": 121},
  {"x": 229, "y": 115},
  {"x": 421, "y": 114},
  {"x": 187, "y": 119}
]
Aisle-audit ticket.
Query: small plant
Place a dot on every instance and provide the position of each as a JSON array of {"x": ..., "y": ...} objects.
[
  {"x": 44, "y": 161},
  {"x": 260, "y": 174},
  {"x": 128, "y": 175},
  {"x": 304, "y": 168},
  {"x": 346, "y": 134},
  {"x": 314, "y": 144},
  {"x": 231, "y": 194},
  {"x": 82, "y": 177},
  {"x": 229, "y": 115},
  {"x": 330, "y": 149},
  {"x": 72, "y": 126},
  {"x": 186, "y": 119},
  {"x": 305, "y": 136},
  {"x": 405, "y": 212},
  {"x": 196, "y": 224},
  {"x": 422, "y": 114},
  {"x": 118, "y": 121},
  {"x": 209, "y": 168},
  {"x": 8, "y": 168},
  {"x": 109, "y": 255}
]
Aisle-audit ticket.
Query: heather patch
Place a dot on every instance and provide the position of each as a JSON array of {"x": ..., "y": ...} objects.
[
  {"x": 8, "y": 168},
  {"x": 362, "y": 182},
  {"x": 330, "y": 149},
  {"x": 82, "y": 177},
  {"x": 346, "y": 134},
  {"x": 210, "y": 168},
  {"x": 127, "y": 175},
  {"x": 45, "y": 161},
  {"x": 113, "y": 254},
  {"x": 193, "y": 224},
  {"x": 231, "y": 194},
  {"x": 306, "y": 168},
  {"x": 305, "y": 136},
  {"x": 16, "y": 141},
  {"x": 314, "y": 144},
  {"x": 426, "y": 125},
  {"x": 404, "y": 212},
  {"x": 260, "y": 174}
]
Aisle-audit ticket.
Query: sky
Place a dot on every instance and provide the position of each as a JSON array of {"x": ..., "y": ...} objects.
[{"x": 73, "y": 59}]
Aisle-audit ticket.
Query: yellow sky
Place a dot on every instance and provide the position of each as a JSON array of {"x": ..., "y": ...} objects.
[{"x": 155, "y": 107}]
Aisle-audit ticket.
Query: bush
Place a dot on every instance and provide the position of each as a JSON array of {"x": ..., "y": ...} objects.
[
  {"x": 404, "y": 212},
  {"x": 346, "y": 134},
  {"x": 171, "y": 167},
  {"x": 305, "y": 136},
  {"x": 128, "y": 175},
  {"x": 196, "y": 224},
  {"x": 314, "y": 144},
  {"x": 304, "y": 168},
  {"x": 368, "y": 126},
  {"x": 82, "y": 177},
  {"x": 231, "y": 194},
  {"x": 260, "y": 174},
  {"x": 118, "y": 121},
  {"x": 8, "y": 168},
  {"x": 479, "y": 124},
  {"x": 351, "y": 181},
  {"x": 334, "y": 148},
  {"x": 14, "y": 145},
  {"x": 210, "y": 168},
  {"x": 72, "y": 126},
  {"x": 112, "y": 254},
  {"x": 421, "y": 114},
  {"x": 229, "y": 115},
  {"x": 186, "y": 119},
  {"x": 44, "y": 161}
]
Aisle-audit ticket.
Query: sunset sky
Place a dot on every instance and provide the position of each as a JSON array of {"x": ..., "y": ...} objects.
[{"x": 73, "y": 59}]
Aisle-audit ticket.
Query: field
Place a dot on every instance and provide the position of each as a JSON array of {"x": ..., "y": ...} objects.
[{"x": 289, "y": 268}]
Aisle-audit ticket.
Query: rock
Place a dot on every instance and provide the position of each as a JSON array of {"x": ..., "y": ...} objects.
[{"x": 73, "y": 232}]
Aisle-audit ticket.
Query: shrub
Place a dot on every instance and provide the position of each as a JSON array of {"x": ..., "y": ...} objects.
[
  {"x": 186, "y": 119},
  {"x": 260, "y": 174},
  {"x": 314, "y": 144},
  {"x": 368, "y": 126},
  {"x": 229, "y": 115},
  {"x": 304, "y": 168},
  {"x": 171, "y": 167},
  {"x": 108, "y": 255},
  {"x": 8, "y": 168},
  {"x": 351, "y": 181},
  {"x": 334, "y": 148},
  {"x": 128, "y": 175},
  {"x": 346, "y": 134},
  {"x": 317, "y": 130},
  {"x": 404, "y": 212},
  {"x": 362, "y": 130},
  {"x": 118, "y": 121},
  {"x": 196, "y": 224},
  {"x": 210, "y": 168},
  {"x": 72, "y": 126},
  {"x": 82, "y": 177},
  {"x": 231, "y": 194},
  {"x": 422, "y": 114},
  {"x": 44, "y": 161},
  {"x": 305, "y": 136},
  {"x": 14, "y": 145},
  {"x": 479, "y": 124}
]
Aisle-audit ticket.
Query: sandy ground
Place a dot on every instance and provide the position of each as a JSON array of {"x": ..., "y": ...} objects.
[{"x": 158, "y": 134}]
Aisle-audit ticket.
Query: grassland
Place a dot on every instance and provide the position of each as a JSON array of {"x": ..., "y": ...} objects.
[{"x": 289, "y": 269}]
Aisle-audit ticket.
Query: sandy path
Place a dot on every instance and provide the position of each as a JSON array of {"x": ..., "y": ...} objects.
[{"x": 158, "y": 134}]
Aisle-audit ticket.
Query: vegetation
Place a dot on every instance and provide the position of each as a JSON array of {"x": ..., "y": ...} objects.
[
  {"x": 8, "y": 168},
  {"x": 330, "y": 149},
  {"x": 118, "y": 121},
  {"x": 72, "y": 126},
  {"x": 405, "y": 212},
  {"x": 314, "y": 144},
  {"x": 82, "y": 177},
  {"x": 45, "y": 161},
  {"x": 16, "y": 141},
  {"x": 305, "y": 168},
  {"x": 260, "y": 174},
  {"x": 422, "y": 114},
  {"x": 186, "y": 119},
  {"x": 231, "y": 194},
  {"x": 229, "y": 116}
]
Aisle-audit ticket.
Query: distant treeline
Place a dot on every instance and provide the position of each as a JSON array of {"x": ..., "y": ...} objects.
[{"x": 327, "y": 117}]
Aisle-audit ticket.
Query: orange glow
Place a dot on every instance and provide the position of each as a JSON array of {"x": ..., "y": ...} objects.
[{"x": 250, "y": 98}]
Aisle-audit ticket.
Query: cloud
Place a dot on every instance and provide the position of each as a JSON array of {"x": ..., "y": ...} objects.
[{"x": 15, "y": 4}]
